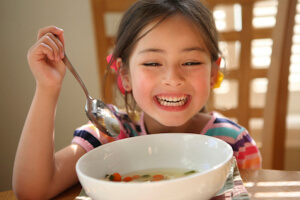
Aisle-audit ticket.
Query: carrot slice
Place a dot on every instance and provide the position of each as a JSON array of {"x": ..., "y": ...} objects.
[
  {"x": 117, "y": 177},
  {"x": 135, "y": 176},
  {"x": 127, "y": 179},
  {"x": 158, "y": 177}
]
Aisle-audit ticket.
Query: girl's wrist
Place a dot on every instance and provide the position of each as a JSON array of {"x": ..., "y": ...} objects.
[{"x": 51, "y": 90}]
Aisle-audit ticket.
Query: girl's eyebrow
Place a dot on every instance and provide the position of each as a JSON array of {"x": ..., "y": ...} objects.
[
  {"x": 163, "y": 51},
  {"x": 194, "y": 49},
  {"x": 152, "y": 50}
]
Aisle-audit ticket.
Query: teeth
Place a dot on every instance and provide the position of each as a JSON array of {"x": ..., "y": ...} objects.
[{"x": 172, "y": 101}]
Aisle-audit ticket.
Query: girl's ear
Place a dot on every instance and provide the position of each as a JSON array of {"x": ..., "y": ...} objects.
[
  {"x": 124, "y": 74},
  {"x": 215, "y": 67}
]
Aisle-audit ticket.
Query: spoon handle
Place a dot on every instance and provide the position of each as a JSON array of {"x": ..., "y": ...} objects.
[{"x": 73, "y": 71}]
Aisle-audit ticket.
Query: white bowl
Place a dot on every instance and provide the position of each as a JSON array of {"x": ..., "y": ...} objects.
[{"x": 210, "y": 156}]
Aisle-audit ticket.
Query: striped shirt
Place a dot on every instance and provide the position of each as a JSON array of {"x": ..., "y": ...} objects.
[{"x": 244, "y": 147}]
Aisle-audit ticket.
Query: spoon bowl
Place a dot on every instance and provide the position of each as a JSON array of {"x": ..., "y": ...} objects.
[
  {"x": 96, "y": 110},
  {"x": 102, "y": 117}
]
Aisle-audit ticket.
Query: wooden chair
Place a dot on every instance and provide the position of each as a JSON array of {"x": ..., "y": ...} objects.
[
  {"x": 274, "y": 132},
  {"x": 105, "y": 42},
  {"x": 244, "y": 74},
  {"x": 275, "y": 111}
]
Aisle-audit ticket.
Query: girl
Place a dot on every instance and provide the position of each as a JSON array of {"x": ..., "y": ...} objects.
[{"x": 167, "y": 58}]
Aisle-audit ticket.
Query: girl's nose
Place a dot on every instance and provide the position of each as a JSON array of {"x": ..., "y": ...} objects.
[{"x": 173, "y": 77}]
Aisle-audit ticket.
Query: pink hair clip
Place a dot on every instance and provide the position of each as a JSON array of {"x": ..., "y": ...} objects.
[{"x": 115, "y": 67}]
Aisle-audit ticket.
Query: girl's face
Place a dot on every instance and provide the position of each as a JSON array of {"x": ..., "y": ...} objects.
[{"x": 170, "y": 72}]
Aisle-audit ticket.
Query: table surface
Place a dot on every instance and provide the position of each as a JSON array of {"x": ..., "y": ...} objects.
[{"x": 261, "y": 184}]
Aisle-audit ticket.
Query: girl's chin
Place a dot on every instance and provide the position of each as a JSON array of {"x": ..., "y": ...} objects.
[
  {"x": 176, "y": 123},
  {"x": 164, "y": 120}
]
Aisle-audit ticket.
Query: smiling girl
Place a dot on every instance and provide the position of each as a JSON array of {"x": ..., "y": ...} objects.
[{"x": 167, "y": 59}]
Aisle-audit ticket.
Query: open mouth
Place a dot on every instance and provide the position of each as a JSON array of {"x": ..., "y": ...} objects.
[{"x": 172, "y": 101}]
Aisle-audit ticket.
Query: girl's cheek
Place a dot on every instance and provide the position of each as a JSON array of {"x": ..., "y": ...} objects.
[{"x": 140, "y": 84}]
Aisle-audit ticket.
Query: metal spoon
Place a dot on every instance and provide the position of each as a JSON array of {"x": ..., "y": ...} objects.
[{"x": 96, "y": 110}]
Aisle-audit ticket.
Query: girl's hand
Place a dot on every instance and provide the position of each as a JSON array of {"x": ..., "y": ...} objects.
[{"x": 45, "y": 57}]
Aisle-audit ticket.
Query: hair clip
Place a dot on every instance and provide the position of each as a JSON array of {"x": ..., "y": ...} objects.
[{"x": 219, "y": 79}]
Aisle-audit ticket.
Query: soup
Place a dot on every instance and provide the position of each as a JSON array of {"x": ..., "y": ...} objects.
[{"x": 150, "y": 175}]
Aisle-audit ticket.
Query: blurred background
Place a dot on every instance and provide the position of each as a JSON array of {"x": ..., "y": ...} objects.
[{"x": 21, "y": 20}]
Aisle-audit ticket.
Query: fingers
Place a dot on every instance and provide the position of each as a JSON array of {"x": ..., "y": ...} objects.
[
  {"x": 55, "y": 44},
  {"x": 48, "y": 51},
  {"x": 51, "y": 44},
  {"x": 54, "y": 30}
]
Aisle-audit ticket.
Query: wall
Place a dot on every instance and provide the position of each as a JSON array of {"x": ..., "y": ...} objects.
[{"x": 20, "y": 22}]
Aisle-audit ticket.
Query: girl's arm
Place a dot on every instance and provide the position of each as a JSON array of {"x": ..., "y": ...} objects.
[
  {"x": 247, "y": 154},
  {"x": 39, "y": 173}
]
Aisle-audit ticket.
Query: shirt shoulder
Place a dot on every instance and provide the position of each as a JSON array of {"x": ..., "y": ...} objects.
[
  {"x": 244, "y": 147},
  {"x": 220, "y": 126}
]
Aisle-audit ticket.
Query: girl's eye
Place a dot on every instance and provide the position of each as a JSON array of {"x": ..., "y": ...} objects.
[
  {"x": 152, "y": 64},
  {"x": 191, "y": 63}
]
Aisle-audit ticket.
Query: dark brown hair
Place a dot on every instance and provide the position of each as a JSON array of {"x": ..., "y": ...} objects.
[{"x": 143, "y": 12}]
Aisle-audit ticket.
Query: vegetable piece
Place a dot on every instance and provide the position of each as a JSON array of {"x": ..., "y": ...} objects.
[
  {"x": 111, "y": 177},
  {"x": 158, "y": 177},
  {"x": 117, "y": 177},
  {"x": 190, "y": 172},
  {"x": 127, "y": 179},
  {"x": 146, "y": 176},
  {"x": 136, "y": 176}
]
